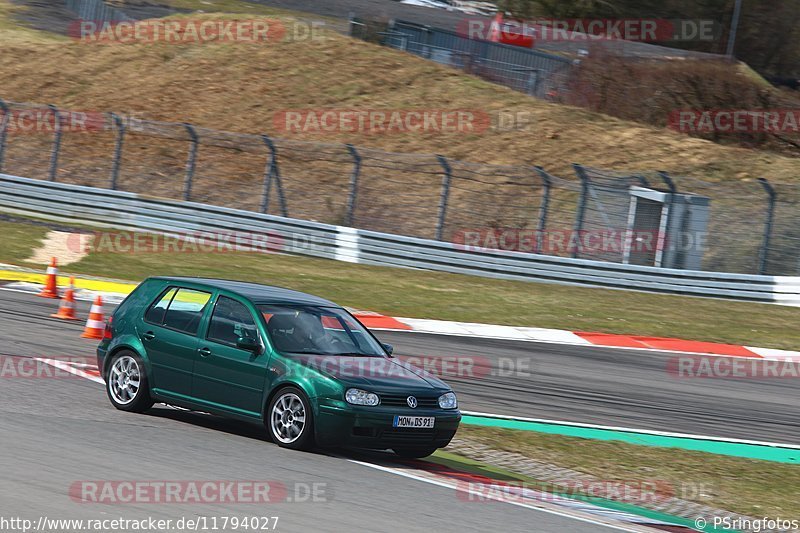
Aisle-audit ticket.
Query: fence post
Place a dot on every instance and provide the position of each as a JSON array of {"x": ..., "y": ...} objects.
[
  {"x": 542, "y": 224},
  {"x": 444, "y": 196},
  {"x": 190, "y": 161},
  {"x": 581, "y": 212},
  {"x": 117, "y": 150},
  {"x": 272, "y": 171},
  {"x": 764, "y": 252},
  {"x": 351, "y": 199},
  {"x": 427, "y": 45},
  {"x": 56, "y": 149},
  {"x": 3, "y": 129},
  {"x": 663, "y": 238}
]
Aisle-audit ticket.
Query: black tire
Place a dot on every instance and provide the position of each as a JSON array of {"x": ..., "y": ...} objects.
[
  {"x": 290, "y": 399},
  {"x": 414, "y": 453},
  {"x": 137, "y": 402}
]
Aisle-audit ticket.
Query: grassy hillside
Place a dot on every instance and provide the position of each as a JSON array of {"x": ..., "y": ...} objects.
[{"x": 240, "y": 87}]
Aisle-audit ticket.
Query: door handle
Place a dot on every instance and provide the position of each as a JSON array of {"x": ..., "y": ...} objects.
[
  {"x": 204, "y": 352},
  {"x": 149, "y": 336}
]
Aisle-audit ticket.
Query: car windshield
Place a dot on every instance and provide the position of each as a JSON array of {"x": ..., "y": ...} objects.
[{"x": 318, "y": 330}]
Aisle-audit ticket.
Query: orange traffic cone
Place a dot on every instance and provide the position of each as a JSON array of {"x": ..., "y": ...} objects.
[
  {"x": 95, "y": 324},
  {"x": 50, "y": 289},
  {"x": 66, "y": 310}
]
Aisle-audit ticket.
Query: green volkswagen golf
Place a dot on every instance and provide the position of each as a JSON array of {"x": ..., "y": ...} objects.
[{"x": 303, "y": 366}]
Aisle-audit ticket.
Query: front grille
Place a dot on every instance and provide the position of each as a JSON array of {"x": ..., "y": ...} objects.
[
  {"x": 408, "y": 435},
  {"x": 398, "y": 400}
]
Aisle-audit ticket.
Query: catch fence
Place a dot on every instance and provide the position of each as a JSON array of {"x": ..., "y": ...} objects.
[{"x": 648, "y": 218}]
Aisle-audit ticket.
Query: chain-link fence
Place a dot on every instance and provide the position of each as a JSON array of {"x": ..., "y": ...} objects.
[
  {"x": 530, "y": 71},
  {"x": 643, "y": 218}
]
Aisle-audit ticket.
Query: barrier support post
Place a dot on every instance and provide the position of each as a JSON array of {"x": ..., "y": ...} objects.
[
  {"x": 663, "y": 238},
  {"x": 190, "y": 161},
  {"x": 3, "y": 129},
  {"x": 581, "y": 211},
  {"x": 272, "y": 172},
  {"x": 56, "y": 148},
  {"x": 351, "y": 199},
  {"x": 763, "y": 255},
  {"x": 120, "y": 126},
  {"x": 444, "y": 196},
  {"x": 545, "y": 205}
]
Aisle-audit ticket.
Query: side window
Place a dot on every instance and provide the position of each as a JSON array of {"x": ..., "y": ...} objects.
[
  {"x": 155, "y": 313},
  {"x": 186, "y": 310},
  {"x": 229, "y": 321}
]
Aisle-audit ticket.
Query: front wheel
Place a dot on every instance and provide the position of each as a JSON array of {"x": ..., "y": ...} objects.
[
  {"x": 414, "y": 453},
  {"x": 126, "y": 383},
  {"x": 290, "y": 420}
]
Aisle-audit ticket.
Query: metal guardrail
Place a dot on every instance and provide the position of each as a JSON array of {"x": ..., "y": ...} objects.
[{"x": 129, "y": 211}]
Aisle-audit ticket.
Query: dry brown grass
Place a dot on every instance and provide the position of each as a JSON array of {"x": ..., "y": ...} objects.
[{"x": 240, "y": 87}]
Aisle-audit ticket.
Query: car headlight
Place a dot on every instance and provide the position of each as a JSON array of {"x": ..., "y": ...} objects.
[
  {"x": 448, "y": 400},
  {"x": 361, "y": 397}
]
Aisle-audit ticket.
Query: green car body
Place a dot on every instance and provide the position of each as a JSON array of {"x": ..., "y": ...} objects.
[{"x": 169, "y": 327}]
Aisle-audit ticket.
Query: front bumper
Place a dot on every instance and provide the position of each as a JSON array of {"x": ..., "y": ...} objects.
[{"x": 341, "y": 424}]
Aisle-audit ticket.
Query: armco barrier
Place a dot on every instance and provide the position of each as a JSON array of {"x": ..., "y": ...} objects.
[{"x": 129, "y": 211}]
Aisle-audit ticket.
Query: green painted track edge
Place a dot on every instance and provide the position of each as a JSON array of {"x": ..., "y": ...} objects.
[{"x": 775, "y": 454}]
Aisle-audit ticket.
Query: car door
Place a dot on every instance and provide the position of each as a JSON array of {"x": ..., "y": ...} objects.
[
  {"x": 227, "y": 376},
  {"x": 168, "y": 331}
]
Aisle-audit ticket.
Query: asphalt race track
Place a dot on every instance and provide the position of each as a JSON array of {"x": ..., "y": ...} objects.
[
  {"x": 597, "y": 385},
  {"x": 55, "y": 432}
]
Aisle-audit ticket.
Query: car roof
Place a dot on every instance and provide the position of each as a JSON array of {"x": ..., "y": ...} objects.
[{"x": 260, "y": 294}]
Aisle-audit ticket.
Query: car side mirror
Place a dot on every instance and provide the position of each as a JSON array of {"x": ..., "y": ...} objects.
[
  {"x": 248, "y": 343},
  {"x": 389, "y": 348}
]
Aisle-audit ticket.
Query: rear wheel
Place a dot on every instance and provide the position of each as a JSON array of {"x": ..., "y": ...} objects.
[
  {"x": 126, "y": 383},
  {"x": 290, "y": 420},
  {"x": 414, "y": 453}
]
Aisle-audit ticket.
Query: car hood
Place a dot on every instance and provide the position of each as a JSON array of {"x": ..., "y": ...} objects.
[{"x": 378, "y": 374}]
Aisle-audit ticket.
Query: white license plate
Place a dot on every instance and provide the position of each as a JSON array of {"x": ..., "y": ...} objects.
[{"x": 413, "y": 421}]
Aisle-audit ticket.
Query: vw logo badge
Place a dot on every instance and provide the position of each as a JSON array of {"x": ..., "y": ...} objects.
[{"x": 412, "y": 402}]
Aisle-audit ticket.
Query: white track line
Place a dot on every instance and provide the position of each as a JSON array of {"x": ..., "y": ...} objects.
[
  {"x": 573, "y": 514},
  {"x": 767, "y": 354},
  {"x": 62, "y": 365}
]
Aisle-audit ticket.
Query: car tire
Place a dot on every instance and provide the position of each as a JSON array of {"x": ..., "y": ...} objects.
[
  {"x": 414, "y": 453},
  {"x": 290, "y": 419},
  {"x": 126, "y": 383}
]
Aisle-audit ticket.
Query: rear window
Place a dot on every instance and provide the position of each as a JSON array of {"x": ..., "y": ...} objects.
[
  {"x": 156, "y": 312},
  {"x": 178, "y": 308},
  {"x": 186, "y": 309}
]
